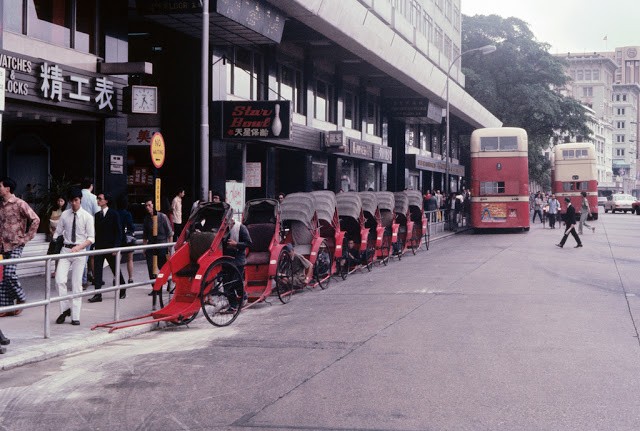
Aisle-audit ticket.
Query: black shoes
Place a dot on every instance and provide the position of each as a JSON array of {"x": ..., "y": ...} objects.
[
  {"x": 578, "y": 246},
  {"x": 60, "y": 319},
  {"x": 4, "y": 340},
  {"x": 75, "y": 322},
  {"x": 123, "y": 294},
  {"x": 559, "y": 245},
  {"x": 96, "y": 298}
]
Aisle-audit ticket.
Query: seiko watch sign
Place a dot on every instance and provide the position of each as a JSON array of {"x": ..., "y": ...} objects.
[
  {"x": 256, "y": 120},
  {"x": 45, "y": 82}
]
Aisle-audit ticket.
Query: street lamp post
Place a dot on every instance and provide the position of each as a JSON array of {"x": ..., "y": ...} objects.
[{"x": 484, "y": 50}]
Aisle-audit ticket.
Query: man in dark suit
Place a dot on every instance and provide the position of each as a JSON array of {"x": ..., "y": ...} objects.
[
  {"x": 570, "y": 225},
  {"x": 108, "y": 235}
]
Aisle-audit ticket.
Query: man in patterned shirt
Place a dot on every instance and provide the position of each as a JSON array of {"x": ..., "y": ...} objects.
[{"x": 18, "y": 225}]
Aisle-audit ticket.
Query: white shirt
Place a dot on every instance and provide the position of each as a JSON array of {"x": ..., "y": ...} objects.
[
  {"x": 85, "y": 228},
  {"x": 176, "y": 207}
]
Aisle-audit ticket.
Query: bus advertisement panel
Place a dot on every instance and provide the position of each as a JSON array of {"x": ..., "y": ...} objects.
[
  {"x": 499, "y": 178},
  {"x": 574, "y": 172}
]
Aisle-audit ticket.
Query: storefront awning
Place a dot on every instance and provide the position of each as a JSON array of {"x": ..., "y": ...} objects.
[{"x": 256, "y": 22}]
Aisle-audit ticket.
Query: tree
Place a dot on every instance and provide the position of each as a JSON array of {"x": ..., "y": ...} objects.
[{"x": 519, "y": 84}]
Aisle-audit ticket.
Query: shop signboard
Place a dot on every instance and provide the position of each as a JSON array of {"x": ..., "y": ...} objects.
[
  {"x": 360, "y": 149},
  {"x": 3, "y": 77},
  {"x": 382, "y": 154},
  {"x": 256, "y": 119},
  {"x": 35, "y": 80},
  {"x": 256, "y": 15},
  {"x": 414, "y": 110}
]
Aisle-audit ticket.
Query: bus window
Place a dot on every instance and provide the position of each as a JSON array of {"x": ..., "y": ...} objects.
[
  {"x": 508, "y": 143},
  {"x": 491, "y": 187},
  {"x": 582, "y": 154},
  {"x": 567, "y": 154},
  {"x": 582, "y": 185},
  {"x": 568, "y": 186},
  {"x": 489, "y": 143}
]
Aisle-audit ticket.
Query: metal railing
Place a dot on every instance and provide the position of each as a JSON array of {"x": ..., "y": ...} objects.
[{"x": 49, "y": 258}]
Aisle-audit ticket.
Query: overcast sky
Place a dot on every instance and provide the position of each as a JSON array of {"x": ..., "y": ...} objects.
[{"x": 575, "y": 26}]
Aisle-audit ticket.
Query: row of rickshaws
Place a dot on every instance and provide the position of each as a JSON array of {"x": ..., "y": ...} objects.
[{"x": 337, "y": 234}]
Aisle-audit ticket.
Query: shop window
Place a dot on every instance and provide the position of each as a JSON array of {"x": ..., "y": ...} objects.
[
  {"x": 368, "y": 176},
  {"x": 372, "y": 116},
  {"x": 12, "y": 15},
  {"x": 324, "y": 97},
  {"x": 50, "y": 21},
  {"x": 413, "y": 182},
  {"x": 319, "y": 175},
  {"x": 243, "y": 72},
  {"x": 348, "y": 175},
  {"x": 290, "y": 87},
  {"x": 85, "y": 34},
  {"x": 351, "y": 111}
]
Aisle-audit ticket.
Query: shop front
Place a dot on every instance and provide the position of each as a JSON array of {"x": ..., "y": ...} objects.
[
  {"x": 427, "y": 173},
  {"x": 358, "y": 165},
  {"x": 59, "y": 125}
]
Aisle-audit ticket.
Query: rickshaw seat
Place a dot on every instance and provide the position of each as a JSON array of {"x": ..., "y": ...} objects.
[
  {"x": 386, "y": 218},
  {"x": 261, "y": 237},
  {"x": 199, "y": 243},
  {"x": 302, "y": 237}
]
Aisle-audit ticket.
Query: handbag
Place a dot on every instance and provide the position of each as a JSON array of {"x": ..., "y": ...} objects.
[
  {"x": 130, "y": 240},
  {"x": 55, "y": 246}
]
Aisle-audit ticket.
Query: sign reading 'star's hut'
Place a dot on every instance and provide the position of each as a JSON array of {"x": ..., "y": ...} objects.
[{"x": 256, "y": 120}]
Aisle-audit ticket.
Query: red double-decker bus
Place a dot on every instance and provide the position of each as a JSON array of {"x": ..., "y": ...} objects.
[
  {"x": 574, "y": 172},
  {"x": 499, "y": 178}
]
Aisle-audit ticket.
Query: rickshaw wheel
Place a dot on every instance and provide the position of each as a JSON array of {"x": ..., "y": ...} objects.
[
  {"x": 221, "y": 283},
  {"x": 343, "y": 268},
  {"x": 370, "y": 255},
  {"x": 384, "y": 251},
  {"x": 414, "y": 243},
  {"x": 284, "y": 277},
  {"x": 322, "y": 267},
  {"x": 400, "y": 248}
]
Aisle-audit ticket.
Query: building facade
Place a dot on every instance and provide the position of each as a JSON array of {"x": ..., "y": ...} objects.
[{"x": 357, "y": 87}]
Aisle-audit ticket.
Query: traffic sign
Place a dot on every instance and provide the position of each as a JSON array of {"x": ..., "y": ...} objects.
[{"x": 157, "y": 149}]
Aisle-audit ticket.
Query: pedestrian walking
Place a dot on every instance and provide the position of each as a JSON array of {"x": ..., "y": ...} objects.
[
  {"x": 108, "y": 235},
  {"x": 77, "y": 228},
  {"x": 89, "y": 203},
  {"x": 570, "y": 225},
  {"x": 127, "y": 236},
  {"x": 165, "y": 234},
  {"x": 554, "y": 207},
  {"x": 537, "y": 208},
  {"x": 18, "y": 225},
  {"x": 585, "y": 210},
  {"x": 176, "y": 208}
]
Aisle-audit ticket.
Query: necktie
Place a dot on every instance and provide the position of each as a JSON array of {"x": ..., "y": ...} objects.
[{"x": 73, "y": 229}]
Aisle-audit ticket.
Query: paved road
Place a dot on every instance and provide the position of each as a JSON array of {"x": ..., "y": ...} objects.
[{"x": 483, "y": 332}]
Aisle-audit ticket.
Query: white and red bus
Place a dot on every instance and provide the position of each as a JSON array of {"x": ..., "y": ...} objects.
[
  {"x": 574, "y": 172},
  {"x": 499, "y": 178}
]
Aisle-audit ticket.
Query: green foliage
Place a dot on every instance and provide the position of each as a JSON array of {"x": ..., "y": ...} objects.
[{"x": 517, "y": 84}]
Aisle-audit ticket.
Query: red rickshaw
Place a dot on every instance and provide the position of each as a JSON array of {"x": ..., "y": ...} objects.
[
  {"x": 386, "y": 206},
  {"x": 352, "y": 222},
  {"x": 301, "y": 229},
  {"x": 374, "y": 224},
  {"x": 329, "y": 223},
  {"x": 204, "y": 278},
  {"x": 403, "y": 218},
  {"x": 417, "y": 216},
  {"x": 262, "y": 219}
]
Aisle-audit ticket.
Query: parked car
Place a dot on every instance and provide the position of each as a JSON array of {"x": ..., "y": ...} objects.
[{"x": 619, "y": 202}]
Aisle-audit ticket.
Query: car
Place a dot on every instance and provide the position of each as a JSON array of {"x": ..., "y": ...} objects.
[{"x": 619, "y": 202}]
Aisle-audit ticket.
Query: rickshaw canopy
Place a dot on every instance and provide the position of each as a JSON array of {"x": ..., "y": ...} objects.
[
  {"x": 369, "y": 202},
  {"x": 349, "y": 205},
  {"x": 261, "y": 211},
  {"x": 386, "y": 200},
  {"x": 325, "y": 205},
  {"x": 402, "y": 203},
  {"x": 299, "y": 207},
  {"x": 209, "y": 215},
  {"x": 415, "y": 198}
]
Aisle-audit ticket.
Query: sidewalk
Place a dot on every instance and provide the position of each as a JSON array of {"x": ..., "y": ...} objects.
[{"x": 26, "y": 331}]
